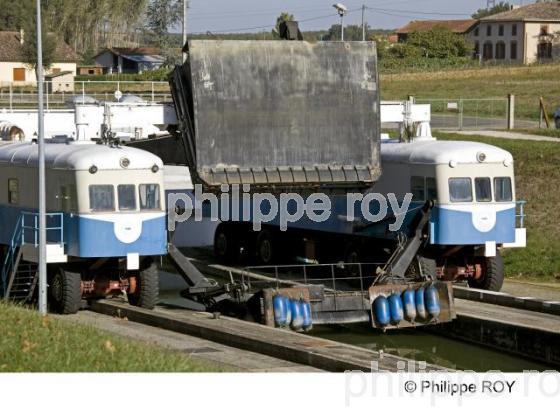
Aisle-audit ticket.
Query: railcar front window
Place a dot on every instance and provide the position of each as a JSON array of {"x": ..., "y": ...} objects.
[
  {"x": 101, "y": 198},
  {"x": 502, "y": 188},
  {"x": 460, "y": 189},
  {"x": 127, "y": 197},
  {"x": 149, "y": 197},
  {"x": 483, "y": 188}
]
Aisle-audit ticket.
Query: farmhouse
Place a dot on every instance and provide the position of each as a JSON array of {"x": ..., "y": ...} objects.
[
  {"x": 525, "y": 34},
  {"x": 13, "y": 68},
  {"x": 461, "y": 27},
  {"x": 129, "y": 60}
]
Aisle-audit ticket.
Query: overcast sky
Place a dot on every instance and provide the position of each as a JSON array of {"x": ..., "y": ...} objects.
[{"x": 258, "y": 15}]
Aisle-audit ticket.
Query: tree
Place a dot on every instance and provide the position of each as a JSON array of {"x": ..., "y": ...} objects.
[
  {"x": 498, "y": 8},
  {"x": 351, "y": 33},
  {"x": 284, "y": 16},
  {"x": 440, "y": 42},
  {"x": 161, "y": 15}
]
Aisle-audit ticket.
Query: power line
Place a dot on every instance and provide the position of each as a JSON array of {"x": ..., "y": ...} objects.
[{"x": 430, "y": 13}]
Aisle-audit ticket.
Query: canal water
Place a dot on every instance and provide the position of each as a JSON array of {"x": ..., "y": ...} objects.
[{"x": 419, "y": 345}]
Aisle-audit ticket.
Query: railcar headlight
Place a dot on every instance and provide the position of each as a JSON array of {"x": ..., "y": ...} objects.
[
  {"x": 155, "y": 169},
  {"x": 93, "y": 169},
  {"x": 481, "y": 157},
  {"x": 452, "y": 164},
  {"x": 125, "y": 162},
  {"x": 508, "y": 163}
]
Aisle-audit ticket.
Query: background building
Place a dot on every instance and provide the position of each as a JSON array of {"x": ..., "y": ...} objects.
[
  {"x": 13, "y": 68},
  {"x": 129, "y": 60}
]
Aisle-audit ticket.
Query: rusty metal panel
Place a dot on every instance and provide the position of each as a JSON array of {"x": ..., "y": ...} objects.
[{"x": 277, "y": 108}]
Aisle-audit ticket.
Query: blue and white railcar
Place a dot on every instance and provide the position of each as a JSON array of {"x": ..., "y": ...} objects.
[
  {"x": 106, "y": 219},
  {"x": 475, "y": 212}
]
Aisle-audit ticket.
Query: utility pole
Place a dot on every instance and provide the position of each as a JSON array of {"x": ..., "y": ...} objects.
[
  {"x": 42, "y": 196},
  {"x": 185, "y": 15},
  {"x": 341, "y": 26},
  {"x": 363, "y": 22}
]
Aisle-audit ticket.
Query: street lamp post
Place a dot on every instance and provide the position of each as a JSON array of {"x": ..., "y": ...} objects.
[
  {"x": 41, "y": 147},
  {"x": 342, "y": 10}
]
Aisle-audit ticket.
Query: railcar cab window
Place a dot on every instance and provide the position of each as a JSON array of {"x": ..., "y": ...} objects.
[
  {"x": 431, "y": 189},
  {"x": 101, "y": 198},
  {"x": 460, "y": 190},
  {"x": 417, "y": 189},
  {"x": 502, "y": 189},
  {"x": 483, "y": 189},
  {"x": 127, "y": 197},
  {"x": 13, "y": 191},
  {"x": 150, "y": 197}
]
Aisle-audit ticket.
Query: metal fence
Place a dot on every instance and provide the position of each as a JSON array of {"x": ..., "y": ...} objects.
[
  {"x": 467, "y": 113},
  {"x": 15, "y": 96}
]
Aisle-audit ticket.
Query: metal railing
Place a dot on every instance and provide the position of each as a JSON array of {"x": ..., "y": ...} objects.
[
  {"x": 520, "y": 213},
  {"x": 13, "y": 95},
  {"x": 11, "y": 255},
  {"x": 54, "y": 228}
]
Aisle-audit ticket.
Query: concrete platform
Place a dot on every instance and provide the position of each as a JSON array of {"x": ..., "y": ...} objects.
[
  {"x": 223, "y": 357},
  {"x": 281, "y": 344},
  {"x": 526, "y": 333}
]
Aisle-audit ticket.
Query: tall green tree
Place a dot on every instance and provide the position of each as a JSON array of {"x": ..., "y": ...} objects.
[
  {"x": 29, "y": 48},
  {"x": 284, "y": 16},
  {"x": 498, "y": 8},
  {"x": 161, "y": 16}
]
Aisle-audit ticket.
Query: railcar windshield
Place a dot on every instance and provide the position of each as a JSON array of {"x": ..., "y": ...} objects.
[
  {"x": 483, "y": 188},
  {"x": 502, "y": 189},
  {"x": 460, "y": 190},
  {"x": 101, "y": 198},
  {"x": 127, "y": 197},
  {"x": 150, "y": 197}
]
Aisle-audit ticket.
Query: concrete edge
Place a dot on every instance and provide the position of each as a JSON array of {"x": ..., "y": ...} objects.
[{"x": 302, "y": 349}]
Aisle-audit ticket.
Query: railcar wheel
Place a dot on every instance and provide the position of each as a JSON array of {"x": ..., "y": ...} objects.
[
  {"x": 492, "y": 274},
  {"x": 147, "y": 288},
  {"x": 65, "y": 292},
  {"x": 422, "y": 268},
  {"x": 226, "y": 244},
  {"x": 266, "y": 248}
]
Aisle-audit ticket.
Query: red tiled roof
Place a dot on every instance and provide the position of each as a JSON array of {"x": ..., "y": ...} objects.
[
  {"x": 10, "y": 49},
  {"x": 457, "y": 26},
  {"x": 546, "y": 11}
]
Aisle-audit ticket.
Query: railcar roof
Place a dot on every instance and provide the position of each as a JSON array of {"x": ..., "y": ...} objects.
[
  {"x": 77, "y": 157},
  {"x": 442, "y": 152}
]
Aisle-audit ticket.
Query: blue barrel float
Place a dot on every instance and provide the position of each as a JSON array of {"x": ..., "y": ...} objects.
[
  {"x": 420, "y": 304},
  {"x": 297, "y": 315},
  {"x": 280, "y": 306},
  {"x": 381, "y": 311},
  {"x": 396, "y": 308},
  {"x": 433, "y": 305},
  {"x": 409, "y": 305},
  {"x": 307, "y": 319}
]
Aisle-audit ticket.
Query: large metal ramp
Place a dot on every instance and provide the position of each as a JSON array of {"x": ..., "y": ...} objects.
[{"x": 279, "y": 113}]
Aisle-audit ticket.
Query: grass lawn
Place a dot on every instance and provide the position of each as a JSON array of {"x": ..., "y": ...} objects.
[
  {"x": 31, "y": 343},
  {"x": 527, "y": 83},
  {"x": 537, "y": 170}
]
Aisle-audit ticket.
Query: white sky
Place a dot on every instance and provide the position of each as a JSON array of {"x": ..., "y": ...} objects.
[{"x": 258, "y": 15}]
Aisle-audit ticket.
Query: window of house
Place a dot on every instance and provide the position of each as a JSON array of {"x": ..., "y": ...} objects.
[
  {"x": 544, "y": 30},
  {"x": 476, "y": 32},
  {"x": 13, "y": 191},
  {"x": 127, "y": 197},
  {"x": 501, "y": 30},
  {"x": 483, "y": 189},
  {"x": 476, "y": 48},
  {"x": 149, "y": 197},
  {"x": 488, "y": 30},
  {"x": 544, "y": 49},
  {"x": 500, "y": 50},
  {"x": 513, "y": 50},
  {"x": 514, "y": 30},
  {"x": 101, "y": 198},
  {"x": 19, "y": 74},
  {"x": 460, "y": 190},
  {"x": 488, "y": 51},
  {"x": 417, "y": 188},
  {"x": 502, "y": 189}
]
